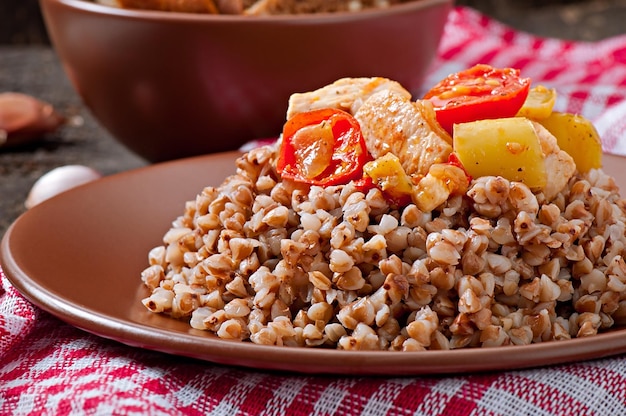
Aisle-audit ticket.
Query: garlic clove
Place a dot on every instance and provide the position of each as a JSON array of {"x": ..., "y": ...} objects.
[
  {"x": 24, "y": 118},
  {"x": 59, "y": 180}
]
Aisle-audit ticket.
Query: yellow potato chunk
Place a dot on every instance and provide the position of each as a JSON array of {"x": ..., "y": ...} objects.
[
  {"x": 389, "y": 175},
  {"x": 578, "y": 137},
  {"x": 507, "y": 147},
  {"x": 539, "y": 103}
]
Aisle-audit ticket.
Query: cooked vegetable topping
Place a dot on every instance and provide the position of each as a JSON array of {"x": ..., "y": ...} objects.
[
  {"x": 322, "y": 147},
  {"x": 539, "y": 103},
  {"x": 389, "y": 175},
  {"x": 500, "y": 126},
  {"x": 507, "y": 147},
  {"x": 478, "y": 93},
  {"x": 578, "y": 137}
]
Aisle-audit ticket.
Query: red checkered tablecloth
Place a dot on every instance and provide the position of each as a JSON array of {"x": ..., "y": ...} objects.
[{"x": 50, "y": 368}]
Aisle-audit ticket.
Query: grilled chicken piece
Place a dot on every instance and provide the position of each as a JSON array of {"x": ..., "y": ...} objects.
[
  {"x": 559, "y": 165},
  {"x": 391, "y": 122},
  {"x": 346, "y": 94}
]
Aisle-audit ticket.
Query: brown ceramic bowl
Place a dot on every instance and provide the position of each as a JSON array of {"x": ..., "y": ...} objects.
[{"x": 169, "y": 85}]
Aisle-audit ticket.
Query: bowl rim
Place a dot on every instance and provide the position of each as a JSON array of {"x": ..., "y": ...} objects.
[{"x": 90, "y": 6}]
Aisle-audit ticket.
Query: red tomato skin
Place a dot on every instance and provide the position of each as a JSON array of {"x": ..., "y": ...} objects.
[
  {"x": 479, "y": 101},
  {"x": 453, "y": 159},
  {"x": 349, "y": 152},
  {"x": 364, "y": 184}
]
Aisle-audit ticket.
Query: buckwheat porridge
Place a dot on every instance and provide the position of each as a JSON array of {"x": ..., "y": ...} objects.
[{"x": 381, "y": 222}]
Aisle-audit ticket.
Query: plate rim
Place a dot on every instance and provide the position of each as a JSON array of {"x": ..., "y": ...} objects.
[{"x": 209, "y": 348}]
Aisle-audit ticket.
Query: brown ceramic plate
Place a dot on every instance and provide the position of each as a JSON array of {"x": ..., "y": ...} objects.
[{"x": 80, "y": 254}]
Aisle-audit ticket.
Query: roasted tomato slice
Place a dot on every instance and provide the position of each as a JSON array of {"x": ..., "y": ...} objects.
[
  {"x": 477, "y": 93},
  {"x": 322, "y": 147}
]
